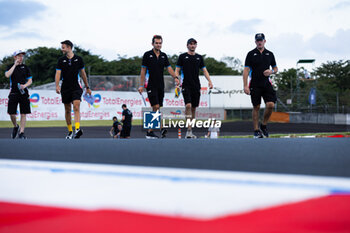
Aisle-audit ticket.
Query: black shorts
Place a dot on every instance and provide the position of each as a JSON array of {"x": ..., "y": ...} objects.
[
  {"x": 191, "y": 96},
  {"x": 125, "y": 131},
  {"x": 68, "y": 96},
  {"x": 267, "y": 93},
  {"x": 155, "y": 96},
  {"x": 22, "y": 100}
]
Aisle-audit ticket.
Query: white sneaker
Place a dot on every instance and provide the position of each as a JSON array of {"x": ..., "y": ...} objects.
[
  {"x": 189, "y": 134},
  {"x": 69, "y": 135}
]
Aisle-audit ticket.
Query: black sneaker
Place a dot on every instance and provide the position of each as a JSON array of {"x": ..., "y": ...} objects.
[
  {"x": 257, "y": 134},
  {"x": 151, "y": 135},
  {"x": 164, "y": 132},
  {"x": 264, "y": 131},
  {"x": 69, "y": 135},
  {"x": 78, "y": 133},
  {"x": 15, "y": 131},
  {"x": 22, "y": 136}
]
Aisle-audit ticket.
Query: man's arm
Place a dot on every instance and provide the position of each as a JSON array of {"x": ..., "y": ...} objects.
[
  {"x": 27, "y": 84},
  {"x": 269, "y": 72},
  {"x": 245, "y": 80},
  {"x": 10, "y": 71},
  {"x": 273, "y": 64},
  {"x": 142, "y": 78},
  {"x": 177, "y": 71},
  {"x": 172, "y": 73},
  {"x": 206, "y": 75},
  {"x": 57, "y": 81},
  {"x": 83, "y": 75}
]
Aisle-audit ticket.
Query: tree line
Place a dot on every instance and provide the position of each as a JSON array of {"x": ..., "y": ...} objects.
[
  {"x": 331, "y": 80},
  {"x": 42, "y": 63}
]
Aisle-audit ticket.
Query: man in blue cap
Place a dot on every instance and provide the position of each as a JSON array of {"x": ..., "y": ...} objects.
[{"x": 257, "y": 66}]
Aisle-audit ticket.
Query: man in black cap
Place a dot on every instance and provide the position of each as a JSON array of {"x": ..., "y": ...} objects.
[
  {"x": 153, "y": 64},
  {"x": 68, "y": 68},
  {"x": 189, "y": 64},
  {"x": 20, "y": 79},
  {"x": 257, "y": 66}
]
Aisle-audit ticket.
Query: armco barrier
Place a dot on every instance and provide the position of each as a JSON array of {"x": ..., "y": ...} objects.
[{"x": 320, "y": 118}]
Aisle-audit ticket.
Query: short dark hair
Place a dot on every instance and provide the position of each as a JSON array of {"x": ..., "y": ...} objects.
[
  {"x": 124, "y": 106},
  {"x": 115, "y": 118},
  {"x": 67, "y": 42},
  {"x": 156, "y": 37}
]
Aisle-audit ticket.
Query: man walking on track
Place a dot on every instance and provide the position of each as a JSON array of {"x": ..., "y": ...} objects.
[
  {"x": 20, "y": 79},
  {"x": 126, "y": 120},
  {"x": 68, "y": 68},
  {"x": 189, "y": 64},
  {"x": 153, "y": 64},
  {"x": 258, "y": 63}
]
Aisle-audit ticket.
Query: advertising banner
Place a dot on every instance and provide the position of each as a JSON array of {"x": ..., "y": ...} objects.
[{"x": 47, "y": 105}]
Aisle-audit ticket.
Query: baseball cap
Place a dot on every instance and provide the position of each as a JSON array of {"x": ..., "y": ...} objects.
[
  {"x": 67, "y": 42},
  {"x": 191, "y": 40},
  {"x": 259, "y": 36},
  {"x": 18, "y": 52}
]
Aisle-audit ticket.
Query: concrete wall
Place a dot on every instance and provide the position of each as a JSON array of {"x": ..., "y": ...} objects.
[{"x": 320, "y": 118}]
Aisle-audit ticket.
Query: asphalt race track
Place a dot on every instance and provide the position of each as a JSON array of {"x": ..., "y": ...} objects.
[
  {"x": 311, "y": 156},
  {"x": 315, "y": 156}
]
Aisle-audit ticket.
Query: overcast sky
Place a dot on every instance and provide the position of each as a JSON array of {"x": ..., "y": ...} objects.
[{"x": 298, "y": 29}]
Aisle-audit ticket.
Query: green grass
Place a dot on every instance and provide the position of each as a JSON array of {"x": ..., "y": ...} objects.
[{"x": 8, "y": 124}]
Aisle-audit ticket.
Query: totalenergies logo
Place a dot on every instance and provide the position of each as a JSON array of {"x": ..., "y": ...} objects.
[
  {"x": 176, "y": 113},
  {"x": 34, "y": 99},
  {"x": 93, "y": 100},
  {"x": 97, "y": 101}
]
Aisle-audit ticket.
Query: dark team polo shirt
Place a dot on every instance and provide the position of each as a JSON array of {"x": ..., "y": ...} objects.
[
  {"x": 155, "y": 68},
  {"x": 190, "y": 66},
  {"x": 128, "y": 115},
  {"x": 20, "y": 75},
  {"x": 258, "y": 63},
  {"x": 70, "y": 69}
]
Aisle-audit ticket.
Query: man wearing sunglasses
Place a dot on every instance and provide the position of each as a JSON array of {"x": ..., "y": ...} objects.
[{"x": 257, "y": 66}]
